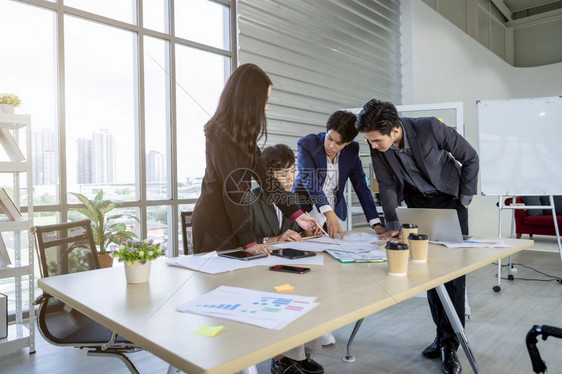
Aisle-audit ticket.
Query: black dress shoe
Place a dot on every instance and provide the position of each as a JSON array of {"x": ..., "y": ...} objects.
[
  {"x": 449, "y": 361},
  {"x": 309, "y": 366},
  {"x": 284, "y": 366},
  {"x": 287, "y": 365},
  {"x": 433, "y": 350}
]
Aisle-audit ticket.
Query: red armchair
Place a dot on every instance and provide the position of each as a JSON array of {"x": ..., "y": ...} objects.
[{"x": 533, "y": 224}]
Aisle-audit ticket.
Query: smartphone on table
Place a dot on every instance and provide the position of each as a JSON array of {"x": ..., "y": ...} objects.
[
  {"x": 243, "y": 255},
  {"x": 292, "y": 253},
  {"x": 289, "y": 269}
]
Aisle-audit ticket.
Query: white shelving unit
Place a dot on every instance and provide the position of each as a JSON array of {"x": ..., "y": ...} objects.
[{"x": 19, "y": 335}]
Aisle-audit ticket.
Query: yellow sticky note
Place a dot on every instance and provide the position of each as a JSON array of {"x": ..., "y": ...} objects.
[
  {"x": 211, "y": 331},
  {"x": 285, "y": 287}
]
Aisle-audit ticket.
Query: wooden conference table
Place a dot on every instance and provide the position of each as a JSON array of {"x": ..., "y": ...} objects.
[{"x": 146, "y": 313}]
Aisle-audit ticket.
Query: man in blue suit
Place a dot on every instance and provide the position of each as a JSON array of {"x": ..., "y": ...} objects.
[{"x": 325, "y": 162}]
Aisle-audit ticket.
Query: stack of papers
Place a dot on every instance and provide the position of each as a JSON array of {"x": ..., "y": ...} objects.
[
  {"x": 264, "y": 309},
  {"x": 374, "y": 255},
  {"x": 355, "y": 242}
]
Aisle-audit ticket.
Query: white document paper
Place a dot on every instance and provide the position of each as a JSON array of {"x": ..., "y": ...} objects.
[
  {"x": 212, "y": 263},
  {"x": 352, "y": 242},
  {"x": 264, "y": 309},
  {"x": 376, "y": 255}
]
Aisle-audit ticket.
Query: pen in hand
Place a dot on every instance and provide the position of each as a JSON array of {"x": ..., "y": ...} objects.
[
  {"x": 317, "y": 224},
  {"x": 309, "y": 237}
]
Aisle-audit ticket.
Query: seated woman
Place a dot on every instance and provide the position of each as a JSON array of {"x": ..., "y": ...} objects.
[
  {"x": 326, "y": 161},
  {"x": 270, "y": 225}
]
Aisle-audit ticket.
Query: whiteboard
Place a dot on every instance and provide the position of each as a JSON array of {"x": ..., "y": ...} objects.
[{"x": 520, "y": 146}]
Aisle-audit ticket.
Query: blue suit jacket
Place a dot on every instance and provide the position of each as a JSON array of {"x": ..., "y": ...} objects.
[{"x": 312, "y": 166}]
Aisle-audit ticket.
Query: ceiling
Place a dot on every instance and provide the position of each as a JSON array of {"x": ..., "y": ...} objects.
[{"x": 523, "y": 11}]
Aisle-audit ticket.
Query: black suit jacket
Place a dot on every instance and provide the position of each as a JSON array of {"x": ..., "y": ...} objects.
[
  {"x": 264, "y": 218},
  {"x": 443, "y": 156},
  {"x": 224, "y": 205}
]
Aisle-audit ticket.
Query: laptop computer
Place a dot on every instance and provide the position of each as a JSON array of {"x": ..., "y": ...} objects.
[{"x": 439, "y": 224}]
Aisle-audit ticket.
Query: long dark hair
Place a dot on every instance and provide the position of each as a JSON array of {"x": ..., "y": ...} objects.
[{"x": 240, "y": 113}]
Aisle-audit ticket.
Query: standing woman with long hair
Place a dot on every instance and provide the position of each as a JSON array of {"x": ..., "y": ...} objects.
[{"x": 221, "y": 217}]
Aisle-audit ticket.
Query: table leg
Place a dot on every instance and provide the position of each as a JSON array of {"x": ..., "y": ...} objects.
[
  {"x": 348, "y": 357},
  {"x": 457, "y": 325}
]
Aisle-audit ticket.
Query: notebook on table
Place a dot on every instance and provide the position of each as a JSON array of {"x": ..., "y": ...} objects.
[{"x": 439, "y": 224}]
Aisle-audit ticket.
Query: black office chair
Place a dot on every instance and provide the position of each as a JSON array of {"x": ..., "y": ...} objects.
[
  {"x": 185, "y": 224},
  {"x": 70, "y": 248}
]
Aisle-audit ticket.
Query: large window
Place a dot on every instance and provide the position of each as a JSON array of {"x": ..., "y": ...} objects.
[
  {"x": 196, "y": 102},
  {"x": 157, "y": 118},
  {"x": 118, "y": 93},
  {"x": 101, "y": 91}
]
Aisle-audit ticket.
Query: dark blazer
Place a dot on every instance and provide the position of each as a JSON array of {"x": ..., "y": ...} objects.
[
  {"x": 224, "y": 205},
  {"x": 312, "y": 166},
  {"x": 264, "y": 218},
  {"x": 437, "y": 150}
]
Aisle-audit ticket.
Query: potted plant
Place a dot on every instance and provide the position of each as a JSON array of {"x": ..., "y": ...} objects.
[
  {"x": 137, "y": 256},
  {"x": 105, "y": 228},
  {"x": 8, "y": 102}
]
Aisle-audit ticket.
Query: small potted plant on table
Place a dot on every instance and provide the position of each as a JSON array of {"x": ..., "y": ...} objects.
[{"x": 137, "y": 256}]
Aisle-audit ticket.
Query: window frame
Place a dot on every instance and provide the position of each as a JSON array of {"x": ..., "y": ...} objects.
[{"x": 142, "y": 204}]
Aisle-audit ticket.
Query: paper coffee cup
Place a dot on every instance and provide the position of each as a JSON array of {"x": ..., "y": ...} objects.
[
  {"x": 397, "y": 256},
  {"x": 419, "y": 244},
  {"x": 407, "y": 229}
]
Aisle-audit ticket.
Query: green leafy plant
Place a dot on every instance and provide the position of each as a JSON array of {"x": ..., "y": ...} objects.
[
  {"x": 141, "y": 251},
  {"x": 12, "y": 99},
  {"x": 105, "y": 229}
]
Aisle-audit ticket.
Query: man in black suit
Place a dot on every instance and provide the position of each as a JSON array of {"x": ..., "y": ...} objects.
[{"x": 428, "y": 165}]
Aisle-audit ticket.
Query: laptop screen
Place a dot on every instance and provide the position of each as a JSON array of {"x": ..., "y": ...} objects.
[{"x": 439, "y": 224}]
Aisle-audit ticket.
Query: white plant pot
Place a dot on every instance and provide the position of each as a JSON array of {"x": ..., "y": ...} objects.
[
  {"x": 7, "y": 108},
  {"x": 137, "y": 272}
]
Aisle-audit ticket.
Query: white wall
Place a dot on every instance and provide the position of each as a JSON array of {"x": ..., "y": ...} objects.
[{"x": 441, "y": 64}]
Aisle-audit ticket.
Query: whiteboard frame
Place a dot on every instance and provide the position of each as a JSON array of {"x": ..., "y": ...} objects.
[{"x": 457, "y": 105}]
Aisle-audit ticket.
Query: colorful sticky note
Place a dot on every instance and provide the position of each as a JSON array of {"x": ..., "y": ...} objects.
[
  {"x": 285, "y": 287},
  {"x": 211, "y": 331}
]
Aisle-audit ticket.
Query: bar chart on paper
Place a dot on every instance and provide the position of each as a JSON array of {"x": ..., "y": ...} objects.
[
  {"x": 220, "y": 306},
  {"x": 264, "y": 309}
]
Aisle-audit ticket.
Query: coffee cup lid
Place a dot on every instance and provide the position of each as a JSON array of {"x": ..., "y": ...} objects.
[
  {"x": 414, "y": 236},
  {"x": 409, "y": 226},
  {"x": 396, "y": 245}
]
